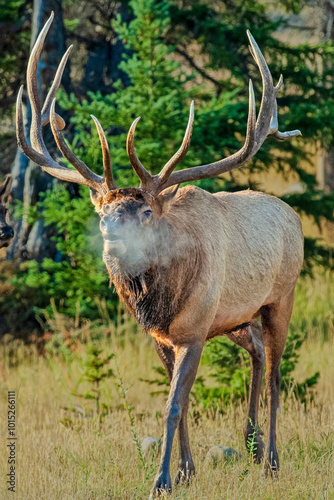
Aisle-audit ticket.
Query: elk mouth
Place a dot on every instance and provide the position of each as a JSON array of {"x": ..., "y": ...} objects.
[{"x": 114, "y": 246}]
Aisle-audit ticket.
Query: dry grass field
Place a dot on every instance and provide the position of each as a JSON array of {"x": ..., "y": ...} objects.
[{"x": 65, "y": 453}]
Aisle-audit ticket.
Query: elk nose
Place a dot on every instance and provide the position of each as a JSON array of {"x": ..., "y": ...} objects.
[
  {"x": 109, "y": 226},
  {"x": 6, "y": 232}
]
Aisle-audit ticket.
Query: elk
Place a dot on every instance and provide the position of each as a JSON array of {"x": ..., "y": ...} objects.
[
  {"x": 188, "y": 264},
  {"x": 6, "y": 231}
]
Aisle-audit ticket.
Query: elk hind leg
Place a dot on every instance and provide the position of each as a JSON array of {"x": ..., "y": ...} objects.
[
  {"x": 275, "y": 324},
  {"x": 250, "y": 339}
]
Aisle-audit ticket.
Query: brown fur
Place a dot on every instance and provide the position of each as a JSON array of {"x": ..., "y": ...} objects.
[
  {"x": 152, "y": 297},
  {"x": 158, "y": 295}
]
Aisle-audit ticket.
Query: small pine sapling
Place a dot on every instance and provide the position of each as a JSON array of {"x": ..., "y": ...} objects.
[{"x": 95, "y": 370}]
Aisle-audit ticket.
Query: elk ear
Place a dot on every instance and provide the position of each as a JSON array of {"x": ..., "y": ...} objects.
[
  {"x": 5, "y": 188},
  {"x": 167, "y": 197},
  {"x": 96, "y": 199}
]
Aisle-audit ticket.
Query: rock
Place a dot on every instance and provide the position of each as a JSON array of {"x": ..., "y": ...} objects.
[
  {"x": 219, "y": 454},
  {"x": 149, "y": 445}
]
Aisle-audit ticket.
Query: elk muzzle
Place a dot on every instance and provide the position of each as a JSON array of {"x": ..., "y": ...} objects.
[{"x": 113, "y": 235}]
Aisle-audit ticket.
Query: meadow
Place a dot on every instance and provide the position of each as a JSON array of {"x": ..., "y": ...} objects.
[{"x": 67, "y": 450}]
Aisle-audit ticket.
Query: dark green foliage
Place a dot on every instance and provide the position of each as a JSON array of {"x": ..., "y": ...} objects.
[
  {"x": 317, "y": 254},
  {"x": 14, "y": 45},
  {"x": 289, "y": 362},
  {"x": 231, "y": 371},
  {"x": 78, "y": 275}
]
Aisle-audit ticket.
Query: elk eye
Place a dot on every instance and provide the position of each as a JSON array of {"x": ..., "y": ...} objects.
[
  {"x": 106, "y": 209},
  {"x": 147, "y": 213}
]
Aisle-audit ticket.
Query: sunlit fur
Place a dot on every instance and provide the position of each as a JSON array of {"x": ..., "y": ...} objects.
[
  {"x": 204, "y": 265},
  {"x": 245, "y": 250}
]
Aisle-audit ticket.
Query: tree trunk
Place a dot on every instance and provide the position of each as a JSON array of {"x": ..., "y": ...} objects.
[
  {"x": 32, "y": 241},
  {"x": 105, "y": 54},
  {"x": 329, "y": 171}
]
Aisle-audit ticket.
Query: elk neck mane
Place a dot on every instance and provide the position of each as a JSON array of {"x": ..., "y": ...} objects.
[{"x": 158, "y": 294}]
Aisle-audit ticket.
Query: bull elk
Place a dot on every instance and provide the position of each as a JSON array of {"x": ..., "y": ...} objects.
[
  {"x": 6, "y": 231},
  {"x": 188, "y": 264}
]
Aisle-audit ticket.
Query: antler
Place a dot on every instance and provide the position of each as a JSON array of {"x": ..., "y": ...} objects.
[
  {"x": 37, "y": 150},
  {"x": 257, "y": 130}
]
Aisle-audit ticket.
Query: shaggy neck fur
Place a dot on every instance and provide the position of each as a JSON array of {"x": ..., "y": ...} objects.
[{"x": 158, "y": 294}]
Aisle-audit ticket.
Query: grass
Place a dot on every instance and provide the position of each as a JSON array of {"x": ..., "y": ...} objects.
[{"x": 65, "y": 452}]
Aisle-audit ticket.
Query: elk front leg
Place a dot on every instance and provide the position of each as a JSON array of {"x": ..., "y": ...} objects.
[
  {"x": 275, "y": 324},
  {"x": 186, "y": 464},
  {"x": 185, "y": 368},
  {"x": 250, "y": 339}
]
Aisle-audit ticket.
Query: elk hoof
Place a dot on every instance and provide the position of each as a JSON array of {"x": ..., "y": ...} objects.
[
  {"x": 271, "y": 467},
  {"x": 185, "y": 472},
  {"x": 162, "y": 485}
]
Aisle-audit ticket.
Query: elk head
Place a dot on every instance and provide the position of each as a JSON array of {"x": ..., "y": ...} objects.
[
  {"x": 6, "y": 232},
  {"x": 132, "y": 224},
  {"x": 130, "y": 216}
]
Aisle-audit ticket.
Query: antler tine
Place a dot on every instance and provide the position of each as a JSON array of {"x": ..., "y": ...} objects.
[
  {"x": 137, "y": 165},
  {"x": 108, "y": 177},
  {"x": 181, "y": 153},
  {"x": 36, "y": 137},
  {"x": 37, "y": 151},
  {"x": 273, "y": 128},
  {"x": 221, "y": 166},
  {"x": 257, "y": 130},
  {"x": 53, "y": 91},
  {"x": 21, "y": 139},
  {"x": 268, "y": 94},
  {"x": 81, "y": 167},
  {"x": 44, "y": 160},
  {"x": 268, "y": 104}
]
